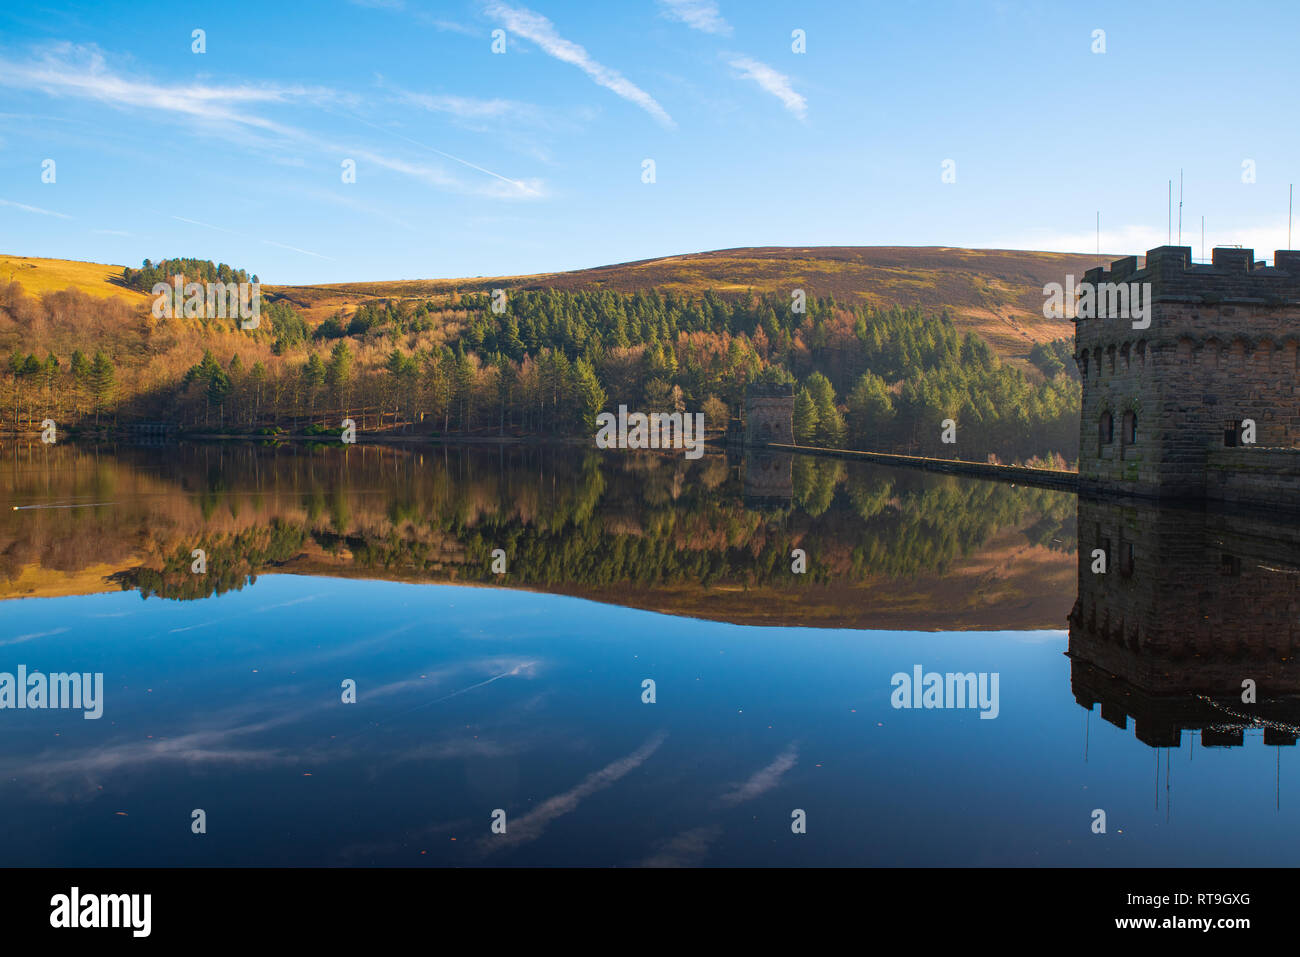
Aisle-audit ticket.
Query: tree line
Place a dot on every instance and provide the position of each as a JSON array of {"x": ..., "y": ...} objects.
[
  {"x": 547, "y": 363},
  {"x": 193, "y": 270}
]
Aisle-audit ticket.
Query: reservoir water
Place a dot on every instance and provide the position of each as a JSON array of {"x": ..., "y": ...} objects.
[{"x": 523, "y": 697}]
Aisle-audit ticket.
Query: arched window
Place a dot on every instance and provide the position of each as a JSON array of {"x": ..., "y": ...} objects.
[
  {"x": 1128, "y": 432},
  {"x": 1107, "y": 428}
]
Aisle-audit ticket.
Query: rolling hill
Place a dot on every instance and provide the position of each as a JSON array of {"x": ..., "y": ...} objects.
[
  {"x": 39, "y": 276},
  {"x": 892, "y": 341},
  {"x": 996, "y": 293}
]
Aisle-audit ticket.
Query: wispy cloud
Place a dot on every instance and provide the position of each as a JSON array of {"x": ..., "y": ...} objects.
[
  {"x": 400, "y": 6},
  {"x": 530, "y": 826},
  {"x": 447, "y": 26},
  {"x": 32, "y": 636},
  {"x": 512, "y": 667},
  {"x": 338, "y": 199},
  {"x": 294, "y": 601},
  {"x": 196, "y": 222},
  {"x": 700, "y": 15},
  {"x": 686, "y": 849},
  {"x": 57, "y": 772},
  {"x": 774, "y": 82},
  {"x": 67, "y": 69},
  {"x": 690, "y": 847},
  {"x": 535, "y": 27},
  {"x": 268, "y": 242},
  {"x": 512, "y": 124},
  {"x": 82, "y": 71},
  {"x": 467, "y": 107},
  {"x": 295, "y": 249},
  {"x": 517, "y": 187},
  {"x": 763, "y": 781},
  {"x": 33, "y": 209}
]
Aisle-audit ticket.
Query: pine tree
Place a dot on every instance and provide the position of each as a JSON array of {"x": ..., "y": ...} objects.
[
  {"x": 218, "y": 390},
  {"x": 257, "y": 375},
  {"x": 805, "y": 417},
  {"x": 871, "y": 411},
  {"x": 829, "y": 430},
  {"x": 591, "y": 396},
  {"x": 338, "y": 373},
  {"x": 313, "y": 376},
  {"x": 103, "y": 378},
  {"x": 80, "y": 368}
]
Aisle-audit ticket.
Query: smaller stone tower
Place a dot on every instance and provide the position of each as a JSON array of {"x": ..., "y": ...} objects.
[{"x": 769, "y": 414}]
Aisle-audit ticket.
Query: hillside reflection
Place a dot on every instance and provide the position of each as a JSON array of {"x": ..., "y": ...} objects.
[{"x": 712, "y": 538}]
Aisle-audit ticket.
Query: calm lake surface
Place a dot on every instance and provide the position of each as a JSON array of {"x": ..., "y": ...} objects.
[{"x": 523, "y": 691}]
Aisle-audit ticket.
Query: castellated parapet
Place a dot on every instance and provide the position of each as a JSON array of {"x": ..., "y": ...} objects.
[{"x": 1164, "y": 407}]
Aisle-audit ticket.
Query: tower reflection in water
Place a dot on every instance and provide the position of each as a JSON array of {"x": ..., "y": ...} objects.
[{"x": 1193, "y": 611}]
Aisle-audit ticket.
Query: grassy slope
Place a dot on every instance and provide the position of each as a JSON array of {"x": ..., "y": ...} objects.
[
  {"x": 995, "y": 293},
  {"x": 39, "y": 276}
]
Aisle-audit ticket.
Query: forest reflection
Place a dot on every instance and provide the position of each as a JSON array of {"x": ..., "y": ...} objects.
[{"x": 711, "y": 538}]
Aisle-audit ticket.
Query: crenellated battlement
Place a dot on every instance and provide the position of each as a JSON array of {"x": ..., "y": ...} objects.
[
  {"x": 1233, "y": 275},
  {"x": 1201, "y": 372}
]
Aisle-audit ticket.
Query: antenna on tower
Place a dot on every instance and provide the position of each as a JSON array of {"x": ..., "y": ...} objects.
[{"x": 1180, "y": 207}]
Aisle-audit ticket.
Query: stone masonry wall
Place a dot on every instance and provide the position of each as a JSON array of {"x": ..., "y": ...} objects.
[
  {"x": 1223, "y": 345},
  {"x": 769, "y": 418},
  {"x": 1204, "y": 601},
  {"x": 1249, "y": 476}
]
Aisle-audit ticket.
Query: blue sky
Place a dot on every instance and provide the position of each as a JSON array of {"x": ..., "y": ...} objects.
[{"x": 470, "y": 162}]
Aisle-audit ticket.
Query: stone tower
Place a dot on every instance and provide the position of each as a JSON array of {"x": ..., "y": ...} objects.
[
  {"x": 769, "y": 414},
  {"x": 1191, "y": 602},
  {"x": 1168, "y": 397}
]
